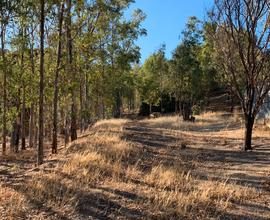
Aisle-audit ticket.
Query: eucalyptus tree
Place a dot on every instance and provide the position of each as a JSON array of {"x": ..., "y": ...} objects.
[
  {"x": 57, "y": 70},
  {"x": 85, "y": 51},
  {"x": 153, "y": 75},
  {"x": 122, "y": 52},
  {"x": 41, "y": 85},
  {"x": 6, "y": 10},
  {"x": 33, "y": 88},
  {"x": 71, "y": 70},
  {"x": 185, "y": 68}
]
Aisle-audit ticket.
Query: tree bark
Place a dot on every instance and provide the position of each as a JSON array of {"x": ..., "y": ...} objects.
[
  {"x": 249, "y": 122},
  {"x": 55, "y": 100},
  {"x": 81, "y": 106},
  {"x": 73, "y": 121},
  {"x": 66, "y": 130},
  {"x": 31, "y": 126},
  {"x": 4, "y": 133},
  {"x": 118, "y": 104},
  {"x": 35, "y": 128},
  {"x": 23, "y": 144},
  {"x": 186, "y": 113},
  {"x": 41, "y": 85},
  {"x": 32, "y": 123},
  {"x": 87, "y": 102},
  {"x": 15, "y": 135}
]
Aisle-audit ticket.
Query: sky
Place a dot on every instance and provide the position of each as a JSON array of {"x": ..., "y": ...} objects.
[{"x": 165, "y": 21}]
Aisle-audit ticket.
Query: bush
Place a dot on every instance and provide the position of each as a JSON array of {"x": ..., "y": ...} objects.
[{"x": 196, "y": 109}]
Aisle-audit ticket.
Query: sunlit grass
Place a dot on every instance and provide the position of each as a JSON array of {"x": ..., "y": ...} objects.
[{"x": 103, "y": 158}]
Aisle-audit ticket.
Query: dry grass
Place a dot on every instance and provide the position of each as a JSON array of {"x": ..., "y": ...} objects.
[
  {"x": 180, "y": 194},
  {"x": 12, "y": 204},
  {"x": 104, "y": 160},
  {"x": 110, "y": 125},
  {"x": 211, "y": 123},
  {"x": 203, "y": 120}
]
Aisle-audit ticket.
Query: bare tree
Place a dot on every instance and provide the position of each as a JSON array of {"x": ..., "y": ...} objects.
[{"x": 241, "y": 36}]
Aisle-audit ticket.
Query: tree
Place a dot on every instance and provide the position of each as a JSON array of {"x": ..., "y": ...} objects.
[
  {"x": 185, "y": 69},
  {"x": 80, "y": 79},
  {"x": 153, "y": 75},
  {"x": 73, "y": 124},
  {"x": 41, "y": 84},
  {"x": 241, "y": 35},
  {"x": 56, "y": 89},
  {"x": 122, "y": 52},
  {"x": 4, "y": 68},
  {"x": 6, "y": 9}
]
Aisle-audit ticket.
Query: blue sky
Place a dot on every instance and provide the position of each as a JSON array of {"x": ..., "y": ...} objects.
[{"x": 165, "y": 21}]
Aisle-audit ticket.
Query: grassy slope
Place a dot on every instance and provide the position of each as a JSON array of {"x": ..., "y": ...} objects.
[{"x": 130, "y": 170}]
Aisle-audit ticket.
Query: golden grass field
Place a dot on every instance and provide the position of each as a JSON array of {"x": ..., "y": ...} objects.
[{"x": 122, "y": 169}]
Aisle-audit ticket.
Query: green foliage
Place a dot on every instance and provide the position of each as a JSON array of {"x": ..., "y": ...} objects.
[
  {"x": 189, "y": 76},
  {"x": 153, "y": 76},
  {"x": 104, "y": 50}
]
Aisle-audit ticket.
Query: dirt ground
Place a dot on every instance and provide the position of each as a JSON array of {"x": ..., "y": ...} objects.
[{"x": 212, "y": 153}]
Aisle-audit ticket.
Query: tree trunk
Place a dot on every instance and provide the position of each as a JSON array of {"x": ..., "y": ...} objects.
[
  {"x": 23, "y": 120},
  {"x": 73, "y": 121},
  {"x": 4, "y": 133},
  {"x": 35, "y": 129},
  {"x": 249, "y": 122},
  {"x": 55, "y": 100},
  {"x": 232, "y": 99},
  {"x": 161, "y": 105},
  {"x": 175, "y": 107},
  {"x": 15, "y": 135},
  {"x": 81, "y": 106},
  {"x": 66, "y": 130},
  {"x": 87, "y": 116},
  {"x": 186, "y": 111},
  {"x": 118, "y": 104},
  {"x": 103, "y": 108},
  {"x": 180, "y": 107},
  {"x": 41, "y": 85},
  {"x": 23, "y": 144},
  {"x": 31, "y": 126}
]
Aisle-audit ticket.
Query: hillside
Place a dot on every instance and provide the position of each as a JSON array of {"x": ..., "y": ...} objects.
[
  {"x": 123, "y": 169},
  {"x": 221, "y": 100}
]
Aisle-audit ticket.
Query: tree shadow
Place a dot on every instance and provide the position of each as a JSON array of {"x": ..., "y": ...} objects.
[
  {"x": 217, "y": 150},
  {"x": 233, "y": 216},
  {"x": 93, "y": 203},
  {"x": 148, "y": 137}
]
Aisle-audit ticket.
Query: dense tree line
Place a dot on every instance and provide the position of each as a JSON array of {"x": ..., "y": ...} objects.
[
  {"x": 187, "y": 78},
  {"x": 63, "y": 64}
]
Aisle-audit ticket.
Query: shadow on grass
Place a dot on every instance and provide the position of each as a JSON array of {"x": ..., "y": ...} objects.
[{"x": 94, "y": 203}]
